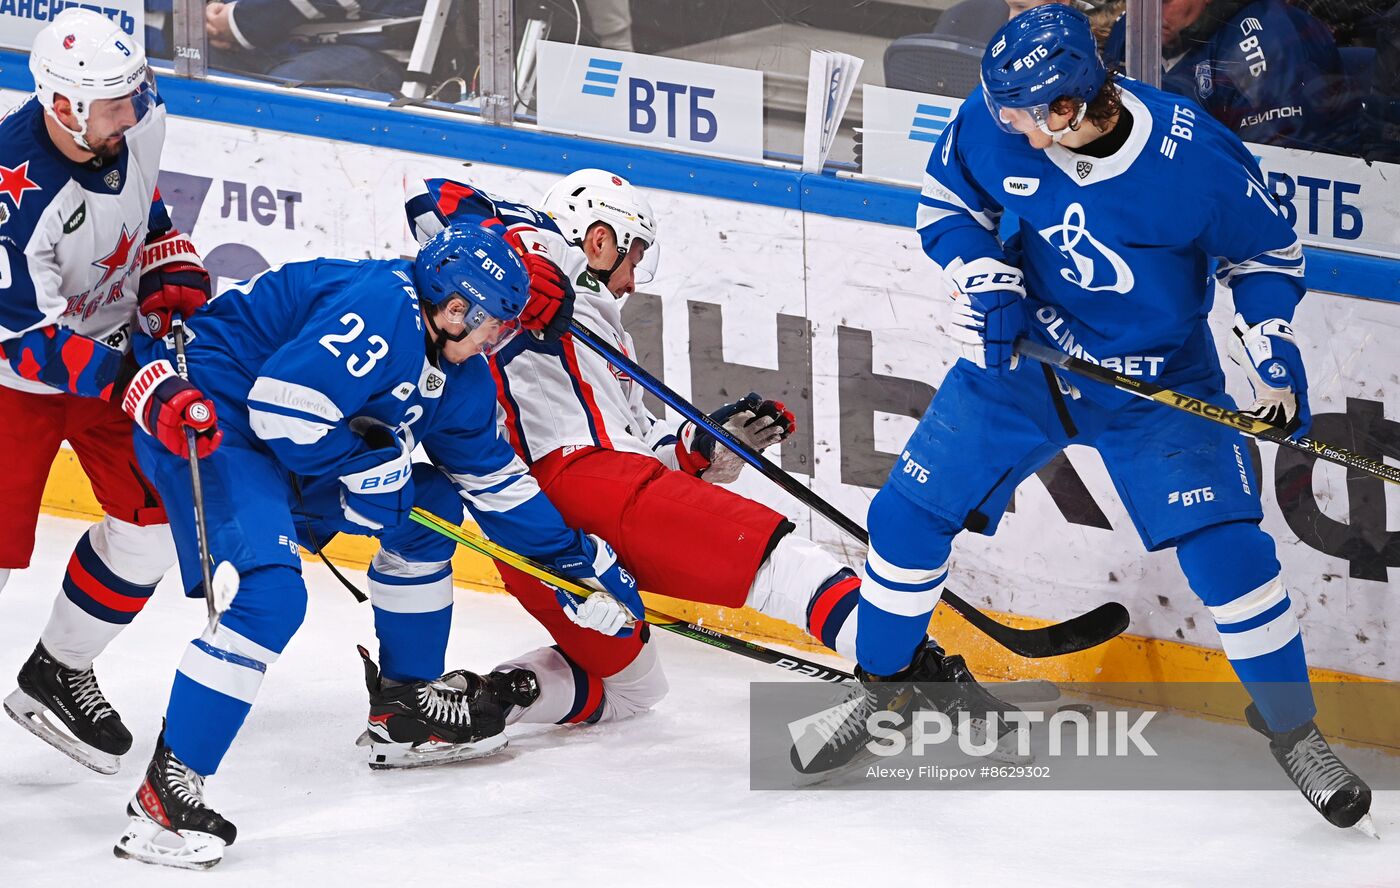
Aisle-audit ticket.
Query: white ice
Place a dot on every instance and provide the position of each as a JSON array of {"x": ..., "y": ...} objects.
[{"x": 660, "y": 799}]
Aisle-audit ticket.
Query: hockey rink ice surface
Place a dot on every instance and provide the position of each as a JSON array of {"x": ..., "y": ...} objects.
[{"x": 661, "y": 799}]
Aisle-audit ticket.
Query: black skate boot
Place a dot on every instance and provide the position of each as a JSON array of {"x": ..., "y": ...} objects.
[
  {"x": 1330, "y": 786},
  {"x": 946, "y": 684},
  {"x": 66, "y": 709},
  {"x": 450, "y": 719},
  {"x": 838, "y": 740},
  {"x": 170, "y": 824}
]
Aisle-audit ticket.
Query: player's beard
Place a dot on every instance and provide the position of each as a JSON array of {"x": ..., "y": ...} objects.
[{"x": 108, "y": 148}]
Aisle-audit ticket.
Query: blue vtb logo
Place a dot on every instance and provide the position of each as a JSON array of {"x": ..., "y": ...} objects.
[
  {"x": 601, "y": 77},
  {"x": 929, "y": 122}
]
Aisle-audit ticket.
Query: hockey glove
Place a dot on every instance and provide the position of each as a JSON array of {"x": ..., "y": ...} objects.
[
  {"x": 164, "y": 405},
  {"x": 173, "y": 281},
  {"x": 1269, "y": 354},
  {"x": 755, "y": 421},
  {"x": 378, "y": 489},
  {"x": 616, "y": 609},
  {"x": 989, "y": 312},
  {"x": 551, "y": 305}
]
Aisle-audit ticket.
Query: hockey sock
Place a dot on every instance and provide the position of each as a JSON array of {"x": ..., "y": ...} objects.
[
  {"x": 110, "y": 577},
  {"x": 219, "y": 678},
  {"x": 569, "y": 694},
  {"x": 803, "y": 584},
  {"x": 1234, "y": 570},
  {"x": 905, "y": 567},
  {"x": 412, "y": 616}
]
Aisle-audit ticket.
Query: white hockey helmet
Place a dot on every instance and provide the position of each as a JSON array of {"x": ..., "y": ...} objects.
[
  {"x": 85, "y": 56},
  {"x": 583, "y": 198}
]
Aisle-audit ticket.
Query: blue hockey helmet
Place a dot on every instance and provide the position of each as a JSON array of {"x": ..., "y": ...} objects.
[
  {"x": 469, "y": 275},
  {"x": 1039, "y": 56}
]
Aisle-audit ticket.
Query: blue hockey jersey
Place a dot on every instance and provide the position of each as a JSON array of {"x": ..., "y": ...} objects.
[
  {"x": 293, "y": 355},
  {"x": 1118, "y": 252}
]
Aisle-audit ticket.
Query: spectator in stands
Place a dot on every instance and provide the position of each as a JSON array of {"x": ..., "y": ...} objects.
[
  {"x": 611, "y": 23},
  {"x": 333, "y": 44},
  {"x": 1381, "y": 110},
  {"x": 1267, "y": 70}
]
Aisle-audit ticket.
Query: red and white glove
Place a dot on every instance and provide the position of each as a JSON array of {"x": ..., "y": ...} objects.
[
  {"x": 551, "y": 305},
  {"x": 173, "y": 281},
  {"x": 753, "y": 420},
  {"x": 164, "y": 405}
]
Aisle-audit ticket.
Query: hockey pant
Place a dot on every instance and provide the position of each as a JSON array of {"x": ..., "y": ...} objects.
[
  {"x": 1186, "y": 483},
  {"x": 117, "y": 563},
  {"x": 255, "y": 517}
]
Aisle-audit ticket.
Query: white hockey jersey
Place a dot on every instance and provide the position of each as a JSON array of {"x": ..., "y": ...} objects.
[
  {"x": 72, "y": 234},
  {"x": 556, "y": 395}
]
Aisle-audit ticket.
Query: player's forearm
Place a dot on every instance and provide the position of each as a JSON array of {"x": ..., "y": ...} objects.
[
  {"x": 67, "y": 361},
  {"x": 1262, "y": 296}
]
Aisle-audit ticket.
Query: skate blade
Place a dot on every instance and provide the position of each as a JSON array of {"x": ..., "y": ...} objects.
[
  {"x": 149, "y": 842},
  {"x": 400, "y": 756},
  {"x": 34, "y": 717},
  {"x": 1366, "y": 826}
]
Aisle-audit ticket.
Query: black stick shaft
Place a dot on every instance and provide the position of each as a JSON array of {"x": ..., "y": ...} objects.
[
  {"x": 197, "y": 487},
  {"x": 1249, "y": 425},
  {"x": 1085, "y": 630}
]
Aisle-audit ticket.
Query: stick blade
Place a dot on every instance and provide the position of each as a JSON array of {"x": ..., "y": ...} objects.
[{"x": 225, "y": 586}]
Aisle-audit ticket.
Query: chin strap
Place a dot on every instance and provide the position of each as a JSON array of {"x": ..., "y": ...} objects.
[{"x": 604, "y": 276}]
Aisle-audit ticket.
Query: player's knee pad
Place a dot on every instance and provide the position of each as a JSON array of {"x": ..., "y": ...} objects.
[
  {"x": 1226, "y": 561},
  {"x": 909, "y": 535},
  {"x": 139, "y": 555},
  {"x": 635, "y": 688},
  {"x": 269, "y": 608},
  {"x": 1234, "y": 570},
  {"x": 803, "y": 584}
]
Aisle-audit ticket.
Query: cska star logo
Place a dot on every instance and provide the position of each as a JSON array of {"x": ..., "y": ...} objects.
[
  {"x": 14, "y": 182},
  {"x": 121, "y": 256}
]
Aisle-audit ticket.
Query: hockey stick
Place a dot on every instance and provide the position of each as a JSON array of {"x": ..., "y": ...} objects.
[
  {"x": 1033, "y": 690},
  {"x": 1075, "y": 634},
  {"x": 552, "y": 577},
  {"x": 222, "y": 586},
  {"x": 1251, "y": 426}
]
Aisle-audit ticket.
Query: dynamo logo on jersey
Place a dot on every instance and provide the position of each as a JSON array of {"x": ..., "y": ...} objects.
[
  {"x": 601, "y": 77},
  {"x": 1096, "y": 267}
]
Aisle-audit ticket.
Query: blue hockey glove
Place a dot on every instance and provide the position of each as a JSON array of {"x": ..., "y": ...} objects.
[
  {"x": 378, "y": 488},
  {"x": 1271, "y": 359},
  {"x": 989, "y": 312},
  {"x": 617, "y": 602}
]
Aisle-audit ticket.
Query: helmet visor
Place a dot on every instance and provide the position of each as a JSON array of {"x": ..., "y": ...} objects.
[
  {"x": 644, "y": 269},
  {"x": 1018, "y": 121},
  {"x": 472, "y": 322},
  {"x": 144, "y": 98}
]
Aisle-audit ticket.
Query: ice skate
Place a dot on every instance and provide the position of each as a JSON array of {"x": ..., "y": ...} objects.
[
  {"x": 1337, "y": 793},
  {"x": 170, "y": 823},
  {"x": 66, "y": 709},
  {"x": 455, "y": 718}
]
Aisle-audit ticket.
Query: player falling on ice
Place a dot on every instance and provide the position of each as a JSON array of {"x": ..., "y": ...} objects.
[
  {"x": 326, "y": 374},
  {"x": 1118, "y": 280},
  {"x": 615, "y": 470},
  {"x": 84, "y": 240}
]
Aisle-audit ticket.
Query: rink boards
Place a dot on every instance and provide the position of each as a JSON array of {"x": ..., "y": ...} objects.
[{"x": 840, "y": 317}]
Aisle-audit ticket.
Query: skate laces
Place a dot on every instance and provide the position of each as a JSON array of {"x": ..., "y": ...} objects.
[
  {"x": 1316, "y": 768},
  {"x": 185, "y": 783},
  {"x": 88, "y": 695},
  {"x": 445, "y": 704}
]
